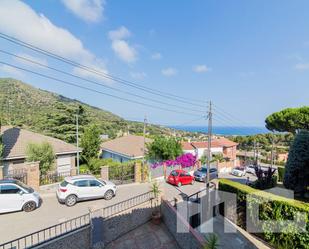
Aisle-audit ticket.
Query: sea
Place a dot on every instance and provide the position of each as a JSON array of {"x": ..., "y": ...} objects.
[{"x": 222, "y": 130}]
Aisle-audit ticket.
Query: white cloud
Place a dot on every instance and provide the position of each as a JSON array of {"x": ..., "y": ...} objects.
[
  {"x": 201, "y": 69},
  {"x": 169, "y": 71},
  {"x": 302, "y": 66},
  {"x": 31, "y": 58},
  {"x": 11, "y": 71},
  {"x": 120, "y": 46},
  {"x": 119, "y": 34},
  {"x": 39, "y": 31},
  {"x": 138, "y": 75},
  {"x": 88, "y": 10},
  {"x": 156, "y": 56}
]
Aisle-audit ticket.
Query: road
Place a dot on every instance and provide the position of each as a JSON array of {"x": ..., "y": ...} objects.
[{"x": 18, "y": 224}]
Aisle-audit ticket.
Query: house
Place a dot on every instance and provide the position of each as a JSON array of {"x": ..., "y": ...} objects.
[
  {"x": 125, "y": 148},
  {"x": 16, "y": 140},
  {"x": 219, "y": 145}
]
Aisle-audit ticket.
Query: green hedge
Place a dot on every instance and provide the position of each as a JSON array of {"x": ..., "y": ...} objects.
[
  {"x": 276, "y": 208},
  {"x": 281, "y": 171}
]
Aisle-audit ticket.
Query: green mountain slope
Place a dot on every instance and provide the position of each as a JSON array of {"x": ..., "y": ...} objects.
[{"x": 52, "y": 114}]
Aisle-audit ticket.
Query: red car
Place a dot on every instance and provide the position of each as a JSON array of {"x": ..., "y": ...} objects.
[{"x": 180, "y": 177}]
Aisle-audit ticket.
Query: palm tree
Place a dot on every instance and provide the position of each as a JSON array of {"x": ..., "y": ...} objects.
[{"x": 218, "y": 158}]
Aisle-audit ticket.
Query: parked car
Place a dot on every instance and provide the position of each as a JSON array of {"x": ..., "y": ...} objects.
[
  {"x": 201, "y": 174},
  {"x": 16, "y": 196},
  {"x": 84, "y": 187},
  {"x": 239, "y": 171},
  {"x": 180, "y": 177},
  {"x": 250, "y": 169}
]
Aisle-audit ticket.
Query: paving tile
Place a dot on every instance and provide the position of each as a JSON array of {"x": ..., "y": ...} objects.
[
  {"x": 163, "y": 236},
  {"x": 126, "y": 244},
  {"x": 147, "y": 241}
]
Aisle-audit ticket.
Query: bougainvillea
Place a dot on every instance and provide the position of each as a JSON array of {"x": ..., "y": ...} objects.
[{"x": 185, "y": 160}]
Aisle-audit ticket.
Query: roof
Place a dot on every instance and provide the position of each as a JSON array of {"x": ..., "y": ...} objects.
[
  {"x": 130, "y": 146},
  {"x": 8, "y": 181},
  {"x": 79, "y": 177},
  {"x": 218, "y": 142},
  {"x": 16, "y": 141},
  {"x": 187, "y": 146}
]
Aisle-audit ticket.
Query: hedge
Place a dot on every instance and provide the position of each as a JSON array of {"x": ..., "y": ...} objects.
[
  {"x": 275, "y": 208},
  {"x": 281, "y": 171}
]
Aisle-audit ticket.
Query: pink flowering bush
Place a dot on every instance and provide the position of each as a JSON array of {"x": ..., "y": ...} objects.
[{"x": 185, "y": 161}]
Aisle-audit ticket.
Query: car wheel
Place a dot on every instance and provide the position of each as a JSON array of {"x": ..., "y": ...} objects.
[
  {"x": 29, "y": 206},
  {"x": 108, "y": 195},
  {"x": 70, "y": 200},
  {"x": 179, "y": 184}
]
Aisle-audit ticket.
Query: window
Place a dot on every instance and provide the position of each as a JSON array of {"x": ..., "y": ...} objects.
[
  {"x": 187, "y": 174},
  {"x": 182, "y": 174},
  {"x": 82, "y": 183},
  {"x": 9, "y": 189},
  {"x": 94, "y": 183},
  {"x": 212, "y": 170},
  {"x": 64, "y": 184}
]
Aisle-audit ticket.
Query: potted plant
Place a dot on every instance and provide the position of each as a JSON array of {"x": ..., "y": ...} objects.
[
  {"x": 212, "y": 242},
  {"x": 156, "y": 214}
]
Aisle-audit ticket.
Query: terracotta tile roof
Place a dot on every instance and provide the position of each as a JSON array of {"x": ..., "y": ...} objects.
[
  {"x": 187, "y": 146},
  {"x": 130, "y": 146},
  {"x": 218, "y": 142},
  {"x": 16, "y": 141}
]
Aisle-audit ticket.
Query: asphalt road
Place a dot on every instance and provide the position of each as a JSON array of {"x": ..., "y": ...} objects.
[{"x": 51, "y": 212}]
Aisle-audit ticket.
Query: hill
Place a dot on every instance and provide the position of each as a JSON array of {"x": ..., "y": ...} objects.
[{"x": 49, "y": 113}]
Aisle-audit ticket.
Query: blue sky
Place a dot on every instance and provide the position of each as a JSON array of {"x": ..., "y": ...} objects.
[{"x": 250, "y": 58}]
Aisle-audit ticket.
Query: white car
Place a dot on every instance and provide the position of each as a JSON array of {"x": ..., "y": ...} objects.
[
  {"x": 238, "y": 171},
  {"x": 84, "y": 187},
  {"x": 16, "y": 196},
  {"x": 250, "y": 169}
]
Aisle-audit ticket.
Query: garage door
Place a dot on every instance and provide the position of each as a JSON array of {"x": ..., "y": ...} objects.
[{"x": 63, "y": 164}]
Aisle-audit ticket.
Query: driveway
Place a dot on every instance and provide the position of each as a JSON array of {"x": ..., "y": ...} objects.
[{"x": 242, "y": 179}]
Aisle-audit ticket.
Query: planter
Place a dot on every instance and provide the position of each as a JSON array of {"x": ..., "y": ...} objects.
[{"x": 156, "y": 217}]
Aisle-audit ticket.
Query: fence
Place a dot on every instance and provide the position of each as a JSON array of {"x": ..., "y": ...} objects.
[
  {"x": 124, "y": 205},
  {"x": 18, "y": 174},
  {"x": 53, "y": 177},
  {"x": 47, "y": 234},
  {"x": 122, "y": 173}
]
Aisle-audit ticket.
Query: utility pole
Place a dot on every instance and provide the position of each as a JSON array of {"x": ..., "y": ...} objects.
[
  {"x": 209, "y": 144},
  {"x": 77, "y": 144}
]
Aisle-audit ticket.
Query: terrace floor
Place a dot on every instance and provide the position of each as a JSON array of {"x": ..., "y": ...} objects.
[{"x": 147, "y": 236}]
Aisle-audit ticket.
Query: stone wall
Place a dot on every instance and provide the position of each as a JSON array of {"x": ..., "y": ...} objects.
[
  {"x": 109, "y": 229},
  {"x": 79, "y": 239},
  {"x": 189, "y": 240}
]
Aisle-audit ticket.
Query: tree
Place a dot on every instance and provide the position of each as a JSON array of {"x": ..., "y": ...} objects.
[
  {"x": 164, "y": 148},
  {"x": 289, "y": 120},
  {"x": 296, "y": 175},
  {"x": 90, "y": 142},
  {"x": 1, "y": 144},
  {"x": 42, "y": 153},
  {"x": 62, "y": 122}
]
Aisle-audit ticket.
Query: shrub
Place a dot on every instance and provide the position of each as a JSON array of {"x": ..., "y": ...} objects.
[
  {"x": 274, "y": 208},
  {"x": 281, "y": 171},
  {"x": 43, "y": 153}
]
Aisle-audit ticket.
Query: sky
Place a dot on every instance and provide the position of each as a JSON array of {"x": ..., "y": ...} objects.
[{"x": 250, "y": 58}]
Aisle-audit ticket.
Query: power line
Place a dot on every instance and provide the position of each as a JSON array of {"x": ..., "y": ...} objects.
[
  {"x": 94, "y": 82},
  {"x": 100, "y": 73},
  {"x": 96, "y": 91}
]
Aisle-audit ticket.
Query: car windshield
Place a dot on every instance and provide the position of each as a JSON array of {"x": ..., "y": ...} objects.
[
  {"x": 174, "y": 173},
  {"x": 239, "y": 168},
  {"x": 25, "y": 187},
  {"x": 64, "y": 184},
  {"x": 202, "y": 169}
]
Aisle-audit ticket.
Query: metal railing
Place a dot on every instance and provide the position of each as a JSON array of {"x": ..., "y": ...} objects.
[
  {"x": 124, "y": 205},
  {"x": 53, "y": 177},
  {"x": 47, "y": 234},
  {"x": 18, "y": 174}
]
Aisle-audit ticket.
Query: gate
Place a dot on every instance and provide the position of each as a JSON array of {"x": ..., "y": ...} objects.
[
  {"x": 122, "y": 173},
  {"x": 18, "y": 174}
]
